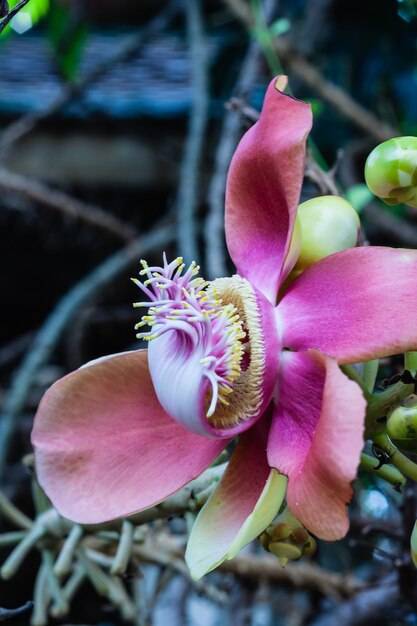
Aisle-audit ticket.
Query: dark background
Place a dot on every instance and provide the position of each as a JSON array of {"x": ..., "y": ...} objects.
[{"x": 117, "y": 143}]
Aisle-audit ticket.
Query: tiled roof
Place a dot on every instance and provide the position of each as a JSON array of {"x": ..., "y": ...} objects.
[{"x": 157, "y": 81}]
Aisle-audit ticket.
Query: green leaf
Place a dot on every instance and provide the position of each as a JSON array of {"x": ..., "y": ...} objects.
[{"x": 68, "y": 35}]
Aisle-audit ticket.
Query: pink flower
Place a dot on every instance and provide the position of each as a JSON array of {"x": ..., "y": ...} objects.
[{"x": 228, "y": 358}]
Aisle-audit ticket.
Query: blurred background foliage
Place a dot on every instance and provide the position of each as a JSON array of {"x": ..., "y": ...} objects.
[{"x": 97, "y": 99}]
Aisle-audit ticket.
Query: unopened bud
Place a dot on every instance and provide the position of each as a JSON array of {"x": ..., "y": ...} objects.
[
  {"x": 300, "y": 535},
  {"x": 280, "y": 531},
  {"x": 328, "y": 224},
  {"x": 391, "y": 171},
  {"x": 310, "y": 547},
  {"x": 287, "y": 539},
  {"x": 285, "y": 552},
  {"x": 402, "y": 420}
]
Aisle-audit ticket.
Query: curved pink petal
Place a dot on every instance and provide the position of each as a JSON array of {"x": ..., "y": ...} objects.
[
  {"x": 355, "y": 305},
  {"x": 242, "y": 506},
  {"x": 316, "y": 438},
  {"x": 105, "y": 448},
  {"x": 263, "y": 189}
]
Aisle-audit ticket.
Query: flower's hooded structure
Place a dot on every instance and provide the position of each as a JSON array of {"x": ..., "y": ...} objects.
[{"x": 238, "y": 356}]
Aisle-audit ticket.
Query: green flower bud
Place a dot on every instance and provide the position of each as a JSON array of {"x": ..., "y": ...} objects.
[
  {"x": 328, "y": 224},
  {"x": 285, "y": 552},
  {"x": 280, "y": 531},
  {"x": 391, "y": 171},
  {"x": 287, "y": 539},
  {"x": 402, "y": 421}
]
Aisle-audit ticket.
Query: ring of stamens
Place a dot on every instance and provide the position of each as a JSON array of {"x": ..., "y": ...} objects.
[
  {"x": 221, "y": 321},
  {"x": 247, "y": 396}
]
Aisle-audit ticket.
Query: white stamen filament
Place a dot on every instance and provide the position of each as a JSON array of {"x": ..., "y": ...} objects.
[{"x": 181, "y": 303}]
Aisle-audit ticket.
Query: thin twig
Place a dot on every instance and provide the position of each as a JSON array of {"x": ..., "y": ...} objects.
[
  {"x": 105, "y": 585},
  {"x": 15, "y": 348},
  {"x": 299, "y": 576},
  {"x": 337, "y": 97},
  {"x": 27, "y": 123},
  {"x": 50, "y": 333},
  {"x": 41, "y": 597},
  {"x": 11, "y": 14},
  {"x": 370, "y": 605},
  {"x": 9, "y": 613},
  {"x": 71, "y": 587},
  {"x": 57, "y": 594},
  {"x": 64, "y": 561},
  {"x": 294, "y": 575},
  {"x": 65, "y": 204},
  {"x": 187, "y": 199},
  {"x": 12, "y": 538},
  {"x": 124, "y": 550},
  {"x": 18, "y": 555},
  {"x": 389, "y": 225},
  {"x": 13, "y": 514},
  {"x": 229, "y": 137},
  {"x": 150, "y": 554},
  {"x": 325, "y": 181}
]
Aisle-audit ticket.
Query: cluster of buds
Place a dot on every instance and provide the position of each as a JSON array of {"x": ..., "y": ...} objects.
[
  {"x": 287, "y": 539},
  {"x": 391, "y": 174},
  {"x": 402, "y": 424}
]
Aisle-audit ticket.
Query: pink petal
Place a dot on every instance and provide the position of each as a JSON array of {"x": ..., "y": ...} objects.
[
  {"x": 355, "y": 305},
  {"x": 263, "y": 189},
  {"x": 245, "y": 502},
  {"x": 316, "y": 438},
  {"x": 105, "y": 448}
]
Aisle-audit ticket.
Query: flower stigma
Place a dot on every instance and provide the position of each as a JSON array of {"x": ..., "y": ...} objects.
[{"x": 216, "y": 320}]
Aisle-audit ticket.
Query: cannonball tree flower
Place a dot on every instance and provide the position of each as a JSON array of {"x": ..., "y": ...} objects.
[{"x": 236, "y": 357}]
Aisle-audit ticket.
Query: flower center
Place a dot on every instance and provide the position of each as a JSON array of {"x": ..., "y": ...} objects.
[{"x": 217, "y": 320}]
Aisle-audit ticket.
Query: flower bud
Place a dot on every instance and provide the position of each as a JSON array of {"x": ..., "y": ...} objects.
[
  {"x": 328, "y": 224},
  {"x": 402, "y": 422},
  {"x": 287, "y": 539},
  {"x": 285, "y": 551},
  {"x": 391, "y": 171}
]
